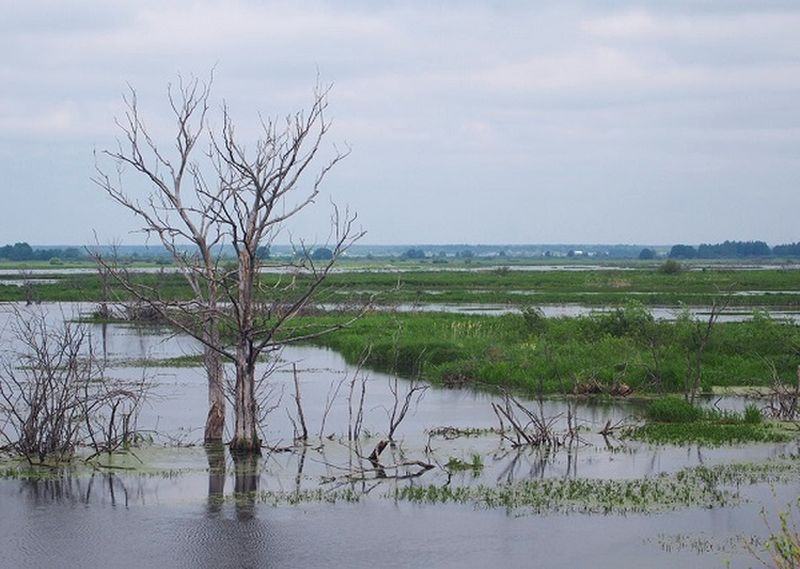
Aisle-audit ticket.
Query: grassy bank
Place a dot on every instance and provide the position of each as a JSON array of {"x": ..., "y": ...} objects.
[{"x": 564, "y": 355}]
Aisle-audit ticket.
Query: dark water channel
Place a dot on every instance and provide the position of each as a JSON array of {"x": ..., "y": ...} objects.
[{"x": 187, "y": 508}]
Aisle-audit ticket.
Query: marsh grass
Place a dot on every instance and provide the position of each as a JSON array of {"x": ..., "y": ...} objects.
[
  {"x": 673, "y": 410},
  {"x": 430, "y": 284},
  {"x": 701, "y": 486},
  {"x": 672, "y": 420},
  {"x": 708, "y": 433},
  {"x": 558, "y": 355}
]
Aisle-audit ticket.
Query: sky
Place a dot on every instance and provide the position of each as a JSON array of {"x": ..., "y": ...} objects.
[{"x": 467, "y": 122}]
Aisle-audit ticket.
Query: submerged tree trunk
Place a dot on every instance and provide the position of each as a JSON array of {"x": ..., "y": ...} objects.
[
  {"x": 215, "y": 421},
  {"x": 245, "y": 438}
]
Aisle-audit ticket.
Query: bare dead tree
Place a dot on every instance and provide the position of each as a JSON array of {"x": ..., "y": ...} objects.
[
  {"x": 697, "y": 337},
  {"x": 355, "y": 400},
  {"x": 238, "y": 196},
  {"x": 333, "y": 393},
  {"x": 175, "y": 218},
  {"x": 783, "y": 399},
  {"x": 401, "y": 403}
]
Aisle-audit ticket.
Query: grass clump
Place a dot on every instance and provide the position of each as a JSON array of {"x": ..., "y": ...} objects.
[
  {"x": 673, "y": 410},
  {"x": 752, "y": 414},
  {"x": 457, "y": 465},
  {"x": 672, "y": 420},
  {"x": 708, "y": 433}
]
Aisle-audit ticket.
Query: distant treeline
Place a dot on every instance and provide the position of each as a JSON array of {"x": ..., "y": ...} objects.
[
  {"x": 733, "y": 250},
  {"x": 24, "y": 252},
  {"x": 727, "y": 250}
]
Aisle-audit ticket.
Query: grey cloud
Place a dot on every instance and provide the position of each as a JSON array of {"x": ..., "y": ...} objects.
[{"x": 469, "y": 121}]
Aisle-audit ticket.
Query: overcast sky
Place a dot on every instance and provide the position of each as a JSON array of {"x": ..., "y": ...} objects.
[{"x": 470, "y": 122}]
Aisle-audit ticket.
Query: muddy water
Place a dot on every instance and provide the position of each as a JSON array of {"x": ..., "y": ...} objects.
[{"x": 184, "y": 515}]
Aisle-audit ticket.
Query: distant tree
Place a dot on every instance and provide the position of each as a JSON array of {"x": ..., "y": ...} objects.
[
  {"x": 262, "y": 252},
  {"x": 787, "y": 250},
  {"x": 413, "y": 254},
  {"x": 465, "y": 254},
  {"x": 322, "y": 254},
  {"x": 21, "y": 252},
  {"x": 682, "y": 252},
  {"x": 647, "y": 254},
  {"x": 71, "y": 253},
  {"x": 733, "y": 250}
]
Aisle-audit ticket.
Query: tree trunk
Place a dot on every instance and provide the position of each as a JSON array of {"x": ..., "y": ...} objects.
[
  {"x": 215, "y": 421},
  {"x": 245, "y": 438}
]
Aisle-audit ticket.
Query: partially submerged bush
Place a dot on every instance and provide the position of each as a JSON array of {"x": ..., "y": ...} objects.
[{"x": 54, "y": 396}]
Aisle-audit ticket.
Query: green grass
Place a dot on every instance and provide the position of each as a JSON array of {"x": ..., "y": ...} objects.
[
  {"x": 709, "y": 433},
  {"x": 673, "y": 410},
  {"x": 556, "y": 355},
  {"x": 672, "y": 420}
]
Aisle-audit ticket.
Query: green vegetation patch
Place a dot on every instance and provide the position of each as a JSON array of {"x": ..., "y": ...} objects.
[
  {"x": 177, "y": 362},
  {"x": 691, "y": 487},
  {"x": 672, "y": 420},
  {"x": 600, "y": 353},
  {"x": 475, "y": 464},
  {"x": 673, "y": 410},
  {"x": 709, "y": 433},
  {"x": 500, "y": 286}
]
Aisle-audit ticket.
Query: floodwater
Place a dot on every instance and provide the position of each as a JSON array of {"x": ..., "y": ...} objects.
[
  {"x": 183, "y": 509},
  {"x": 573, "y": 310}
]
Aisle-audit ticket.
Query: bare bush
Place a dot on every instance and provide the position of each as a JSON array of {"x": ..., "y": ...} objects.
[
  {"x": 784, "y": 399},
  {"x": 522, "y": 427},
  {"x": 54, "y": 396}
]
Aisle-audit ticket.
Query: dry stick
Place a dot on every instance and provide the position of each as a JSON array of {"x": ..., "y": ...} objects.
[
  {"x": 333, "y": 393},
  {"x": 355, "y": 421},
  {"x": 298, "y": 402},
  {"x": 399, "y": 412}
]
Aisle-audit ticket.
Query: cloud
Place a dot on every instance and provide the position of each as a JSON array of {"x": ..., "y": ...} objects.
[{"x": 541, "y": 104}]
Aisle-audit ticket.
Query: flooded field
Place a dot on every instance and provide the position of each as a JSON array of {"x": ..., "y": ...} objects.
[
  {"x": 572, "y": 310},
  {"x": 597, "y": 501}
]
